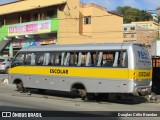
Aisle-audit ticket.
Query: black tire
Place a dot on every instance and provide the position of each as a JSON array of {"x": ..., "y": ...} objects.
[
  {"x": 82, "y": 93},
  {"x": 20, "y": 86}
]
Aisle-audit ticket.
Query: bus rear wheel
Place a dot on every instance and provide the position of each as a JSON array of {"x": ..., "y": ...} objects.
[{"x": 80, "y": 89}]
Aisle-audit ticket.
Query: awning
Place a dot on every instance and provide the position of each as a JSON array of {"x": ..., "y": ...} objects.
[{"x": 26, "y": 5}]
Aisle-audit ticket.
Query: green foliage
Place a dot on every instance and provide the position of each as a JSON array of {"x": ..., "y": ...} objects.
[{"x": 132, "y": 14}]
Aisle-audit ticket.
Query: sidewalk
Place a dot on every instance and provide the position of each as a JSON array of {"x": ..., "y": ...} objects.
[{"x": 3, "y": 77}]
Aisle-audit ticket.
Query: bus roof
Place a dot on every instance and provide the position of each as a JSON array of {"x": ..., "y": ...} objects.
[{"x": 76, "y": 47}]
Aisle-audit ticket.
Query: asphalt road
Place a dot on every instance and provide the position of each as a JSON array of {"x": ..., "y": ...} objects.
[
  {"x": 12, "y": 100},
  {"x": 3, "y": 76},
  {"x": 60, "y": 101}
]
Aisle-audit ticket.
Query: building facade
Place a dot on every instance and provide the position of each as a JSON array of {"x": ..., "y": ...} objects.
[
  {"x": 148, "y": 24},
  {"x": 153, "y": 26},
  {"x": 139, "y": 33},
  {"x": 26, "y": 22}
]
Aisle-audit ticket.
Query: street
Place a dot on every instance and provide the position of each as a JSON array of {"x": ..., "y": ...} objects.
[
  {"x": 62, "y": 101},
  {"x": 12, "y": 100}
]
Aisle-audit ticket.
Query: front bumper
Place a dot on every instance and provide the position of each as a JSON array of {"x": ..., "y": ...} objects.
[{"x": 143, "y": 90}]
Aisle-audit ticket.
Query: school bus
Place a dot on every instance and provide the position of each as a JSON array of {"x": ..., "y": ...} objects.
[{"x": 84, "y": 68}]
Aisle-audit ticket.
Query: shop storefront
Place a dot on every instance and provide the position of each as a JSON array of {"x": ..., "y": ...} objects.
[{"x": 29, "y": 34}]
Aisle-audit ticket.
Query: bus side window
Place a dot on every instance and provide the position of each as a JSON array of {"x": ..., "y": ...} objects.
[
  {"x": 99, "y": 58},
  {"x": 116, "y": 58},
  {"x": 72, "y": 59},
  {"x": 52, "y": 59},
  {"x": 28, "y": 59},
  {"x": 104, "y": 59},
  {"x": 93, "y": 59},
  {"x": 33, "y": 59},
  {"x": 46, "y": 59},
  {"x": 63, "y": 58},
  {"x": 83, "y": 58},
  {"x": 76, "y": 58},
  {"x": 110, "y": 59},
  {"x": 66, "y": 60},
  {"x": 40, "y": 59},
  {"x": 88, "y": 59},
  {"x": 58, "y": 59},
  {"x": 79, "y": 57},
  {"x": 19, "y": 59},
  {"x": 124, "y": 62}
]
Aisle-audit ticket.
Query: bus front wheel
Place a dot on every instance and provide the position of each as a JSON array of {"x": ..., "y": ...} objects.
[
  {"x": 82, "y": 93},
  {"x": 20, "y": 86}
]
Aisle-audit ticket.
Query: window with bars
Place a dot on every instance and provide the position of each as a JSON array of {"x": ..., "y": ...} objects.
[
  {"x": 87, "y": 20},
  {"x": 125, "y": 29},
  {"x": 132, "y": 28}
]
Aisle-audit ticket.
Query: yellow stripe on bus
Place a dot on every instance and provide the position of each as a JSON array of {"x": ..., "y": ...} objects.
[
  {"x": 114, "y": 73},
  {"x": 140, "y": 74}
]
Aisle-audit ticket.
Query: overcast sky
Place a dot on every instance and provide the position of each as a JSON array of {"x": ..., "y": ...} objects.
[{"x": 112, "y": 4}]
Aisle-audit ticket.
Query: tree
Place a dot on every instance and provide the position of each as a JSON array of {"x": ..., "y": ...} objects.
[{"x": 132, "y": 14}]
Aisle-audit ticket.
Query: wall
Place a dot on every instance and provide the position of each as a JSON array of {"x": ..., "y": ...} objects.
[
  {"x": 107, "y": 27},
  {"x": 141, "y": 34},
  {"x": 104, "y": 27},
  {"x": 68, "y": 16},
  {"x": 150, "y": 24},
  {"x": 3, "y": 32}
]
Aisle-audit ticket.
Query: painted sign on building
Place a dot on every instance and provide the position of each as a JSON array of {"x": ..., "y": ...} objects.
[{"x": 29, "y": 28}]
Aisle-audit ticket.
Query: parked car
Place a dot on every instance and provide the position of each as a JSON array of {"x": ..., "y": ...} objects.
[{"x": 5, "y": 64}]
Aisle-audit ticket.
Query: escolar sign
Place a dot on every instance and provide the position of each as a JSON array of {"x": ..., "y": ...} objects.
[
  {"x": 59, "y": 71},
  {"x": 144, "y": 74}
]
